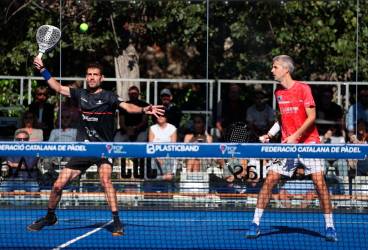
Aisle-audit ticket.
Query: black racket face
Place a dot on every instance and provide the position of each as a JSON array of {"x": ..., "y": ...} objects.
[{"x": 47, "y": 37}]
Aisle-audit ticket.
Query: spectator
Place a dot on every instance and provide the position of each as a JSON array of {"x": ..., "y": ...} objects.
[
  {"x": 237, "y": 176},
  {"x": 70, "y": 106},
  {"x": 174, "y": 114},
  {"x": 162, "y": 131},
  {"x": 329, "y": 115},
  {"x": 330, "y": 123},
  {"x": 230, "y": 110},
  {"x": 29, "y": 124},
  {"x": 43, "y": 111},
  {"x": 63, "y": 134},
  {"x": 260, "y": 116},
  {"x": 360, "y": 167},
  {"x": 133, "y": 127},
  {"x": 198, "y": 135},
  {"x": 22, "y": 172},
  {"x": 298, "y": 185},
  {"x": 234, "y": 173},
  {"x": 357, "y": 112}
]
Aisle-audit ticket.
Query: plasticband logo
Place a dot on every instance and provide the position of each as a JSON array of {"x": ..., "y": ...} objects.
[
  {"x": 153, "y": 148},
  {"x": 116, "y": 149},
  {"x": 229, "y": 149}
]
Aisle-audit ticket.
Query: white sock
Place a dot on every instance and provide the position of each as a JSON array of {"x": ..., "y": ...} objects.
[
  {"x": 329, "y": 220},
  {"x": 257, "y": 215}
]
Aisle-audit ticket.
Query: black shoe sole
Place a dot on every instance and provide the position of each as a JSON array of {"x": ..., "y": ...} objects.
[{"x": 35, "y": 230}]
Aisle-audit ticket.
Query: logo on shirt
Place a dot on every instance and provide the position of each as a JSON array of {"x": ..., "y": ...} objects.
[
  {"x": 89, "y": 118},
  {"x": 99, "y": 102}
]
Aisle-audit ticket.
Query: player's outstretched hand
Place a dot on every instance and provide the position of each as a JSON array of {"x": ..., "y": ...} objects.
[
  {"x": 37, "y": 62},
  {"x": 156, "y": 110}
]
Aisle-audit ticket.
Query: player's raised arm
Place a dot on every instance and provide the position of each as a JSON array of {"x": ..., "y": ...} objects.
[
  {"x": 155, "y": 110},
  {"x": 53, "y": 83}
]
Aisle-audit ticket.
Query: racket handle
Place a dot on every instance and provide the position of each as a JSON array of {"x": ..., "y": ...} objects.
[{"x": 39, "y": 55}]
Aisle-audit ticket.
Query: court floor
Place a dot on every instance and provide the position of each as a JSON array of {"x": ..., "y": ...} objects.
[{"x": 180, "y": 229}]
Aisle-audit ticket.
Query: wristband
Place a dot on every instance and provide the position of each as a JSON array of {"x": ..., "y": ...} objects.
[
  {"x": 143, "y": 110},
  {"x": 274, "y": 130},
  {"x": 45, "y": 74}
]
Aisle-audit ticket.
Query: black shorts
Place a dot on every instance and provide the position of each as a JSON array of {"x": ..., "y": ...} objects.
[{"x": 83, "y": 164}]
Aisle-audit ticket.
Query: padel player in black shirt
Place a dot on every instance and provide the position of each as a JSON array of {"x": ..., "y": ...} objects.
[{"x": 97, "y": 107}]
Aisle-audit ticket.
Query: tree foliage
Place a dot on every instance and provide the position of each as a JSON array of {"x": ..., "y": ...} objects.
[{"x": 243, "y": 36}]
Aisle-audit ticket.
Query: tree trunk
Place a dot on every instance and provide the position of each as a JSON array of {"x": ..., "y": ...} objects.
[{"x": 126, "y": 66}]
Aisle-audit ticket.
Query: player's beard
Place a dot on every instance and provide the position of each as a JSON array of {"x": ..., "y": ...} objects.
[{"x": 94, "y": 88}]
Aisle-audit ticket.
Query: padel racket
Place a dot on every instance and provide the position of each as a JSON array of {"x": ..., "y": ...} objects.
[{"x": 47, "y": 37}]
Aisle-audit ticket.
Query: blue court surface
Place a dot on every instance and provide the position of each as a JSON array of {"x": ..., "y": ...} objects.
[{"x": 173, "y": 229}]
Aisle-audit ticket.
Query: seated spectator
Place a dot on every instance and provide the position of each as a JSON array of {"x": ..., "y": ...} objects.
[
  {"x": 29, "y": 124},
  {"x": 163, "y": 131},
  {"x": 43, "y": 111},
  {"x": 21, "y": 173},
  {"x": 260, "y": 116},
  {"x": 198, "y": 135},
  {"x": 238, "y": 176},
  {"x": 359, "y": 167},
  {"x": 133, "y": 127},
  {"x": 172, "y": 111},
  {"x": 297, "y": 186},
  {"x": 357, "y": 112},
  {"x": 329, "y": 115},
  {"x": 230, "y": 110},
  {"x": 68, "y": 105},
  {"x": 234, "y": 173},
  {"x": 63, "y": 134},
  {"x": 338, "y": 166}
]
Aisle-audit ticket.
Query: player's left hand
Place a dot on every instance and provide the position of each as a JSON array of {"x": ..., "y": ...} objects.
[
  {"x": 156, "y": 110},
  {"x": 292, "y": 139}
]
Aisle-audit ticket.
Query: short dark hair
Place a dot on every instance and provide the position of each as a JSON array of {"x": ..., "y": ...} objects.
[
  {"x": 21, "y": 131},
  {"x": 95, "y": 65},
  {"x": 133, "y": 88}
]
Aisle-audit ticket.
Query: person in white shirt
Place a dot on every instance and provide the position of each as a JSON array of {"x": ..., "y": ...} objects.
[{"x": 164, "y": 132}]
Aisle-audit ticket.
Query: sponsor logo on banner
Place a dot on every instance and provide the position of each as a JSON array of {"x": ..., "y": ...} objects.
[
  {"x": 109, "y": 148},
  {"x": 153, "y": 148},
  {"x": 229, "y": 149},
  {"x": 311, "y": 149},
  {"x": 115, "y": 149}
]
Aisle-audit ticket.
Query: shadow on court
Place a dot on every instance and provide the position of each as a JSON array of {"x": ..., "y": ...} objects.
[
  {"x": 92, "y": 226},
  {"x": 292, "y": 230}
]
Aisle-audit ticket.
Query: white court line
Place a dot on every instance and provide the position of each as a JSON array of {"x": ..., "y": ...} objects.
[{"x": 66, "y": 244}]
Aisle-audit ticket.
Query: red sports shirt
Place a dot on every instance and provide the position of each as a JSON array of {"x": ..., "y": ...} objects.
[{"x": 292, "y": 104}]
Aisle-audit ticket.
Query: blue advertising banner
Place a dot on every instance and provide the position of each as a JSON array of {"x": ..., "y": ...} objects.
[{"x": 184, "y": 150}]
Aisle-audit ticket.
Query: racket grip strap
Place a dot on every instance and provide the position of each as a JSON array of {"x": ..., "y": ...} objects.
[{"x": 45, "y": 74}]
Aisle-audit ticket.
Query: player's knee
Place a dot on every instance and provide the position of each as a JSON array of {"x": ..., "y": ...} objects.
[
  {"x": 105, "y": 182},
  {"x": 271, "y": 182},
  {"x": 58, "y": 187}
]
